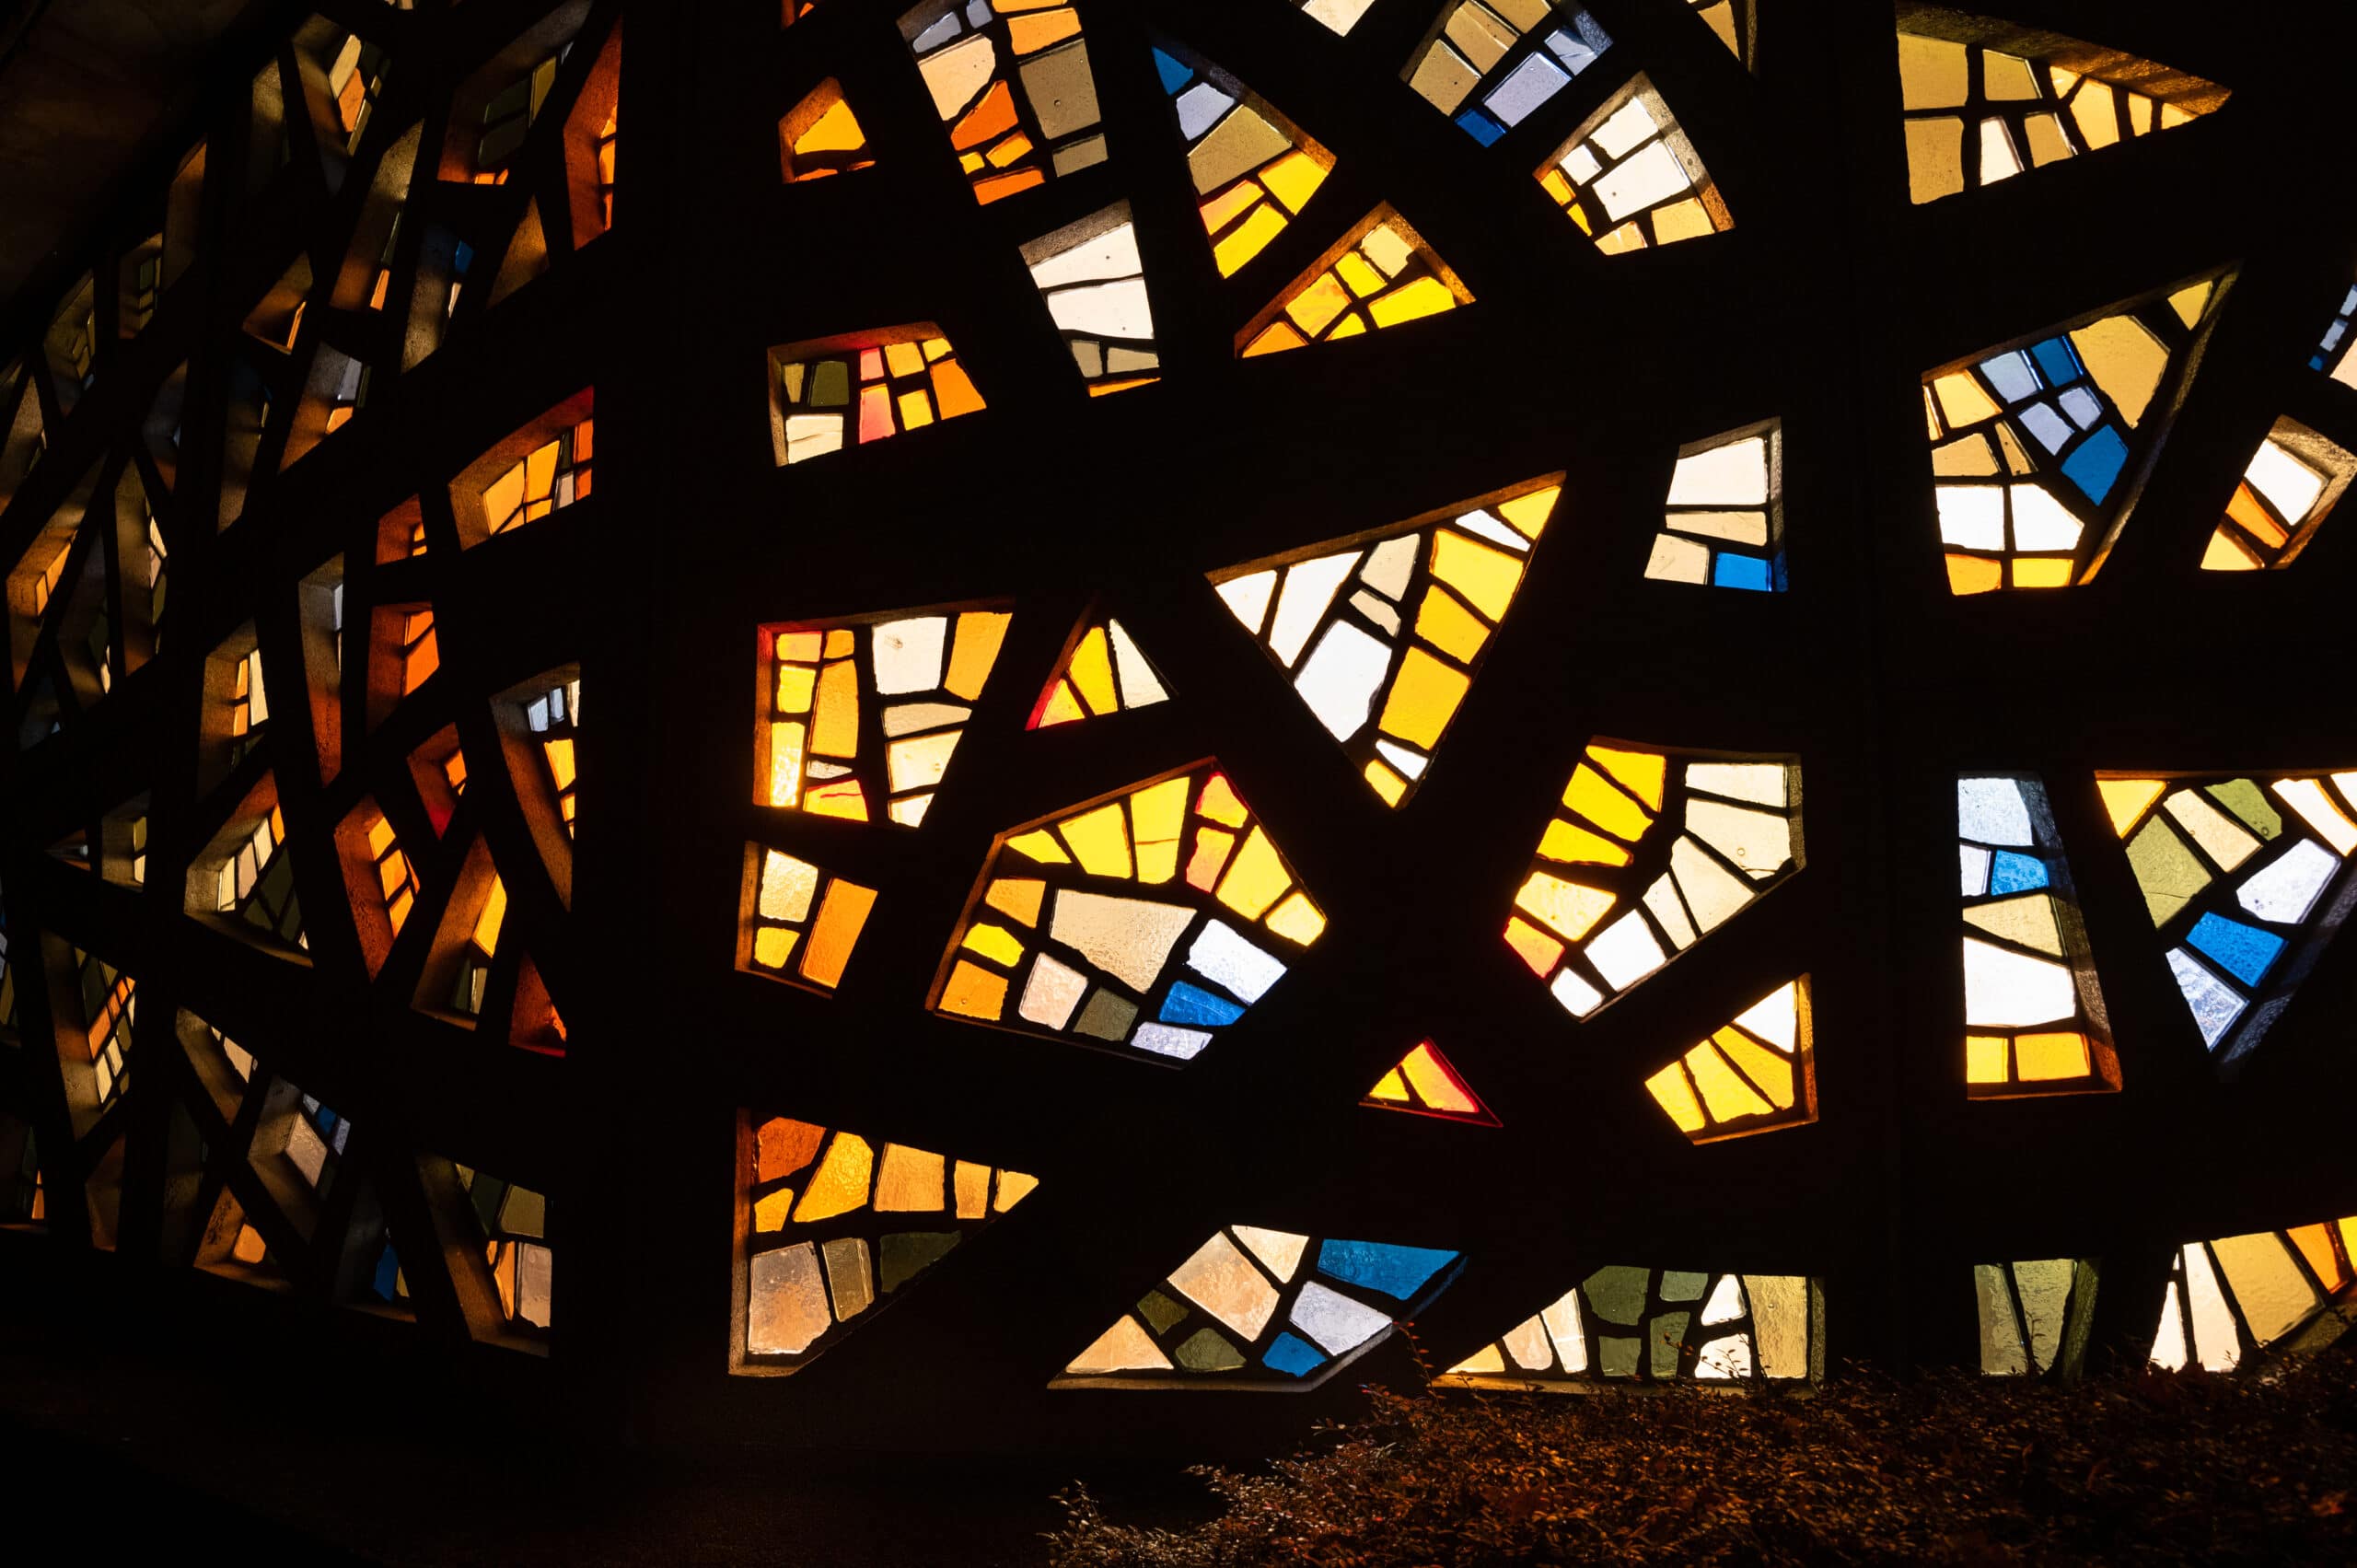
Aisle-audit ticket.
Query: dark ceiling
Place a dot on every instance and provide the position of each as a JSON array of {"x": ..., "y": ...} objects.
[{"x": 83, "y": 85}]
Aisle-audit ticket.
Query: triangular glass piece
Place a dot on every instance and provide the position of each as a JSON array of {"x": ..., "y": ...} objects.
[
  {"x": 1378, "y": 274},
  {"x": 1102, "y": 672},
  {"x": 1382, "y": 632},
  {"x": 1648, "y": 853},
  {"x": 1265, "y": 1308},
  {"x": 2040, "y": 447},
  {"x": 1660, "y": 1326},
  {"x": 921, "y": 670},
  {"x": 821, "y": 136},
  {"x": 1144, "y": 921},
  {"x": 1734, "y": 23},
  {"x": 527, "y": 257},
  {"x": 1756, "y": 1074},
  {"x": 1253, "y": 170},
  {"x": 1488, "y": 64},
  {"x": 1723, "y": 523},
  {"x": 1341, "y": 15},
  {"x": 831, "y": 1226},
  {"x": 2034, "y": 1018},
  {"x": 1630, "y": 178},
  {"x": 1986, "y": 100},
  {"x": 1427, "y": 1084},
  {"x": 2245, "y": 878}
]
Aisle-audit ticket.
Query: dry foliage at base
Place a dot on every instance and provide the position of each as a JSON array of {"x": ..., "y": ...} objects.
[{"x": 1948, "y": 1468}]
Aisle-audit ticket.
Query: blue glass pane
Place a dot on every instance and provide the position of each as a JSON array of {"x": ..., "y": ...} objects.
[
  {"x": 2215, "y": 1005},
  {"x": 1482, "y": 129},
  {"x": 2016, "y": 873},
  {"x": 1741, "y": 571},
  {"x": 1194, "y": 1005},
  {"x": 2096, "y": 466},
  {"x": 2011, "y": 375},
  {"x": 1293, "y": 1356},
  {"x": 1174, "y": 74},
  {"x": 388, "y": 1270},
  {"x": 1398, "y": 1272},
  {"x": 2055, "y": 358},
  {"x": 2244, "y": 951}
]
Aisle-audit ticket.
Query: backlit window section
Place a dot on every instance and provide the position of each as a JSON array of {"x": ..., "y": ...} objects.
[
  {"x": 1677, "y": 844},
  {"x": 1660, "y": 1326},
  {"x": 551, "y": 716},
  {"x": 257, "y": 884},
  {"x": 1148, "y": 922},
  {"x": 1381, "y": 274},
  {"x": 1253, "y": 168},
  {"x": 2333, "y": 356},
  {"x": 394, "y": 877},
  {"x": 1724, "y": 524},
  {"x": 1011, "y": 80},
  {"x": 109, "y": 1006},
  {"x": 2293, "y": 481},
  {"x": 1487, "y": 66},
  {"x": 1265, "y": 1308},
  {"x": 801, "y": 922},
  {"x": 2039, "y": 451},
  {"x": 826, "y": 1239},
  {"x": 2033, "y": 1012},
  {"x": 1630, "y": 178},
  {"x": 822, "y": 136},
  {"x": 554, "y": 476},
  {"x": 835, "y": 392},
  {"x": 1381, "y": 634},
  {"x": 1427, "y": 1084},
  {"x": 2245, "y": 881},
  {"x": 1755, "y": 1076},
  {"x": 2228, "y": 1300},
  {"x": 1090, "y": 274},
  {"x": 859, "y": 719},
  {"x": 515, "y": 1228},
  {"x": 1977, "y": 115},
  {"x": 1103, "y": 672},
  {"x": 2035, "y": 1316}
]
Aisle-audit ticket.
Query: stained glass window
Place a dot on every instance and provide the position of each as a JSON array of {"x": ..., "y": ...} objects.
[
  {"x": 1630, "y": 178},
  {"x": 2292, "y": 482},
  {"x": 256, "y": 885},
  {"x": 1426, "y": 1083},
  {"x": 2245, "y": 878},
  {"x": 1094, "y": 282},
  {"x": 1254, "y": 169},
  {"x": 2333, "y": 356},
  {"x": 831, "y": 1226},
  {"x": 2040, "y": 449},
  {"x": 109, "y": 1006},
  {"x": 1011, "y": 80},
  {"x": 2228, "y": 1300},
  {"x": 2033, "y": 1011},
  {"x": 1754, "y": 1075},
  {"x": 822, "y": 136},
  {"x": 1379, "y": 275},
  {"x": 1733, "y": 833},
  {"x": 799, "y": 923},
  {"x": 1489, "y": 65},
  {"x": 1660, "y": 1326},
  {"x": 514, "y": 1226},
  {"x": 889, "y": 381},
  {"x": 1147, "y": 922},
  {"x": 1723, "y": 523},
  {"x": 1736, "y": 23},
  {"x": 2035, "y": 1317},
  {"x": 1102, "y": 672},
  {"x": 1256, "y": 1308},
  {"x": 1399, "y": 616},
  {"x": 1986, "y": 100},
  {"x": 914, "y": 676}
]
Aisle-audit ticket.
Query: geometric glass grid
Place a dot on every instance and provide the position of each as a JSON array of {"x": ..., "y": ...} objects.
[
  {"x": 2293, "y": 481},
  {"x": 1489, "y": 67},
  {"x": 1756, "y": 1074},
  {"x": 1254, "y": 169},
  {"x": 1629, "y": 179},
  {"x": 2228, "y": 1300},
  {"x": 1723, "y": 523},
  {"x": 2336, "y": 352},
  {"x": 1011, "y": 85},
  {"x": 2035, "y": 1317},
  {"x": 1660, "y": 1326}
]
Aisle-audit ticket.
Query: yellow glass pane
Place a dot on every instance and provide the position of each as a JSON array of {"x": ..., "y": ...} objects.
[
  {"x": 1293, "y": 177},
  {"x": 2041, "y": 1057},
  {"x": 980, "y": 635},
  {"x": 835, "y": 732},
  {"x": 1725, "y": 1094},
  {"x": 1425, "y": 296},
  {"x": 1529, "y": 513},
  {"x": 1246, "y": 240},
  {"x": 2128, "y": 799},
  {"x": 1159, "y": 815},
  {"x": 974, "y": 992},
  {"x": 1433, "y": 1084},
  {"x": 910, "y": 1182},
  {"x": 1386, "y": 783},
  {"x": 995, "y": 942},
  {"x": 842, "y": 915},
  {"x": 770, "y": 1212},
  {"x": 1974, "y": 574},
  {"x": 1220, "y": 803},
  {"x": 1566, "y": 908},
  {"x": 785, "y": 764},
  {"x": 2314, "y": 1242},
  {"x": 1315, "y": 308},
  {"x": 1099, "y": 840},
  {"x": 1358, "y": 276},
  {"x": 1256, "y": 877},
  {"x": 1641, "y": 774},
  {"x": 973, "y": 1188},
  {"x": 1013, "y": 1188},
  {"x": 1961, "y": 398},
  {"x": 840, "y": 1183},
  {"x": 2125, "y": 360},
  {"x": 1040, "y": 845},
  {"x": 1449, "y": 626},
  {"x": 1984, "y": 1059},
  {"x": 843, "y": 797},
  {"x": 1770, "y": 1072},
  {"x": 1019, "y": 896},
  {"x": 1091, "y": 671},
  {"x": 1423, "y": 698},
  {"x": 495, "y": 914},
  {"x": 773, "y": 944},
  {"x": 836, "y": 131},
  {"x": 1064, "y": 707},
  {"x": 1674, "y": 1095},
  {"x": 1487, "y": 577},
  {"x": 1296, "y": 920},
  {"x": 1594, "y": 797},
  {"x": 1389, "y": 1087},
  {"x": 2041, "y": 572},
  {"x": 1537, "y": 950},
  {"x": 1225, "y": 208},
  {"x": 1566, "y": 842}
]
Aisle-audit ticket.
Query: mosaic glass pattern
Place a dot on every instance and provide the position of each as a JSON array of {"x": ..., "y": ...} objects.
[
  {"x": 1754, "y": 1075},
  {"x": 2229, "y": 1300},
  {"x": 1723, "y": 523},
  {"x": 1381, "y": 274},
  {"x": 1629, "y": 179},
  {"x": 833, "y": 392},
  {"x": 2033, "y": 1010},
  {"x": 1660, "y": 1326},
  {"x": 1254, "y": 169},
  {"x": 798, "y": 923},
  {"x": 1101, "y": 672},
  {"x": 1011, "y": 80},
  {"x": 1489, "y": 64}
]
